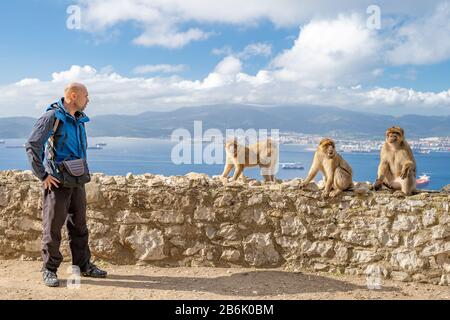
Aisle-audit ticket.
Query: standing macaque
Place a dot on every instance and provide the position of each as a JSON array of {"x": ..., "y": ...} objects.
[
  {"x": 262, "y": 153},
  {"x": 337, "y": 173},
  {"x": 397, "y": 169}
]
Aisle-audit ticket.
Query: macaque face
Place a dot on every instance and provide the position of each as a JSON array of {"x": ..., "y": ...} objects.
[
  {"x": 330, "y": 151},
  {"x": 393, "y": 137},
  {"x": 328, "y": 148},
  {"x": 231, "y": 146}
]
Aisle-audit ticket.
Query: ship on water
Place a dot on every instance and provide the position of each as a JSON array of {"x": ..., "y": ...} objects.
[
  {"x": 2, "y": 141},
  {"x": 96, "y": 147},
  {"x": 423, "y": 181},
  {"x": 292, "y": 165}
]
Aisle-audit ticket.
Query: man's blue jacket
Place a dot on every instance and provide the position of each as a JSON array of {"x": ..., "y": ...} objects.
[{"x": 70, "y": 141}]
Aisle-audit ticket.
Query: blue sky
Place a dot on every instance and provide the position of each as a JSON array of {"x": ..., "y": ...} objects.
[
  {"x": 32, "y": 29},
  {"x": 261, "y": 52}
]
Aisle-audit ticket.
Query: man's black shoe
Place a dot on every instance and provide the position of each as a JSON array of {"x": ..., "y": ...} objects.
[
  {"x": 50, "y": 278},
  {"x": 94, "y": 272}
]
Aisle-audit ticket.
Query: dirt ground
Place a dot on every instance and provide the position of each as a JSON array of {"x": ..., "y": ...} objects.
[{"x": 22, "y": 280}]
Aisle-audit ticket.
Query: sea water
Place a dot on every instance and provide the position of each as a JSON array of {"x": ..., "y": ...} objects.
[{"x": 142, "y": 155}]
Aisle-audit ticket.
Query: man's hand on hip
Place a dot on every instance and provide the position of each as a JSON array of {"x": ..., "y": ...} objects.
[{"x": 50, "y": 182}]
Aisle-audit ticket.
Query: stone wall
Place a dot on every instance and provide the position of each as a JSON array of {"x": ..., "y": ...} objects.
[{"x": 196, "y": 220}]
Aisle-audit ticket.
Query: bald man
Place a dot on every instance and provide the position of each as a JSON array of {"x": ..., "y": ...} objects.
[{"x": 59, "y": 135}]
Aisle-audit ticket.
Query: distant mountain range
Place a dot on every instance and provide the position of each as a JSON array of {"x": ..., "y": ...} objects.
[
  {"x": 301, "y": 119},
  {"x": 17, "y": 127}
]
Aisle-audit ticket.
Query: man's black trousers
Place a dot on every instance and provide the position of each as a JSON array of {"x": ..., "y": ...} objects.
[{"x": 65, "y": 206}]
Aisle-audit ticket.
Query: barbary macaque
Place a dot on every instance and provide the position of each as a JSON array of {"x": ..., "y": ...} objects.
[
  {"x": 263, "y": 153},
  {"x": 397, "y": 168},
  {"x": 337, "y": 173}
]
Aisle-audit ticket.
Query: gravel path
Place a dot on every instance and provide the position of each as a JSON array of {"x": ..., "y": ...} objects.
[{"x": 22, "y": 280}]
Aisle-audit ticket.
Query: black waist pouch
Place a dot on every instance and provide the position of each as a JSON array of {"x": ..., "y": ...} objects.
[{"x": 74, "y": 173}]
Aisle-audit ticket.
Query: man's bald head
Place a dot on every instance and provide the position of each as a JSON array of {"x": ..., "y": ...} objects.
[
  {"x": 74, "y": 87},
  {"x": 76, "y": 96}
]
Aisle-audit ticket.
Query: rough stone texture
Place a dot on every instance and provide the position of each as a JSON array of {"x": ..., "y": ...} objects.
[{"x": 196, "y": 220}]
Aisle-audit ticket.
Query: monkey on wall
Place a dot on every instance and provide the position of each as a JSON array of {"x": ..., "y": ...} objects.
[
  {"x": 263, "y": 153},
  {"x": 397, "y": 168},
  {"x": 337, "y": 173}
]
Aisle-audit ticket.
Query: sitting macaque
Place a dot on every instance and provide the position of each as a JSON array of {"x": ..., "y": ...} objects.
[
  {"x": 262, "y": 153},
  {"x": 397, "y": 169},
  {"x": 337, "y": 173}
]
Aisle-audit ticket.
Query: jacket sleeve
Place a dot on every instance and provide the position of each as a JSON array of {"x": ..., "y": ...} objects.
[{"x": 36, "y": 142}]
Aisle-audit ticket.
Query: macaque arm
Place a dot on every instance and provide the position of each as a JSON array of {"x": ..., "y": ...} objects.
[
  {"x": 238, "y": 171},
  {"x": 344, "y": 164},
  {"x": 407, "y": 168},
  {"x": 313, "y": 171},
  {"x": 383, "y": 168},
  {"x": 329, "y": 179},
  {"x": 227, "y": 170},
  {"x": 408, "y": 164}
]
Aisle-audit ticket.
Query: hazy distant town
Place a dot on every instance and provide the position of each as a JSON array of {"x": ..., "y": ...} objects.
[{"x": 420, "y": 145}]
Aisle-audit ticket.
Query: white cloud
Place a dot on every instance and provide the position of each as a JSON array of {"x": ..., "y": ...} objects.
[
  {"x": 252, "y": 50},
  {"x": 159, "y": 21},
  {"x": 113, "y": 93},
  {"x": 223, "y": 51},
  {"x": 425, "y": 40},
  {"x": 156, "y": 68},
  {"x": 75, "y": 72},
  {"x": 172, "y": 39},
  {"x": 328, "y": 64},
  {"x": 27, "y": 82},
  {"x": 163, "y": 22},
  {"x": 330, "y": 52},
  {"x": 402, "y": 96},
  {"x": 256, "y": 49},
  {"x": 224, "y": 73}
]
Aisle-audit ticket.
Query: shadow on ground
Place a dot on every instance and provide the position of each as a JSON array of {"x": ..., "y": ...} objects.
[{"x": 255, "y": 283}]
